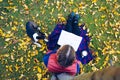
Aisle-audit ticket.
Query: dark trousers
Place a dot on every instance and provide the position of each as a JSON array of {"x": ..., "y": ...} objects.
[{"x": 72, "y": 27}]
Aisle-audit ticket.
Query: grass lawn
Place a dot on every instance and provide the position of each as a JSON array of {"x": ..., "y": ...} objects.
[{"x": 20, "y": 59}]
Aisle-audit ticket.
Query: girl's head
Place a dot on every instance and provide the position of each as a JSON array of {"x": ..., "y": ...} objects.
[{"x": 66, "y": 55}]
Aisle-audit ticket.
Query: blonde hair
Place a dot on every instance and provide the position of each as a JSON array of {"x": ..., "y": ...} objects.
[{"x": 66, "y": 55}]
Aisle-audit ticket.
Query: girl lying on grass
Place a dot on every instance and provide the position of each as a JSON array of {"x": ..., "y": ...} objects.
[{"x": 64, "y": 61}]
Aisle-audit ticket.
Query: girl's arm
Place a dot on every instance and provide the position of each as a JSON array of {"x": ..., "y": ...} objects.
[{"x": 54, "y": 36}]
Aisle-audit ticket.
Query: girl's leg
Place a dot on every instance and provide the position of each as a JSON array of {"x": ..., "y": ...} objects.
[
  {"x": 76, "y": 29},
  {"x": 68, "y": 26},
  {"x": 54, "y": 36}
]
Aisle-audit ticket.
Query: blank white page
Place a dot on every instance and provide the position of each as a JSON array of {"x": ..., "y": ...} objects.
[{"x": 67, "y": 38}]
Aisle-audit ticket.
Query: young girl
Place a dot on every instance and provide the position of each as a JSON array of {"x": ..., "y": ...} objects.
[{"x": 64, "y": 59}]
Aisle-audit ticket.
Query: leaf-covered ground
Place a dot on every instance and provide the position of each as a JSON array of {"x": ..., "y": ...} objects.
[{"x": 20, "y": 59}]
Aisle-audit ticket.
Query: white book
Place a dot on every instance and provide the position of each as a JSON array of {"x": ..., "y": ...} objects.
[{"x": 67, "y": 38}]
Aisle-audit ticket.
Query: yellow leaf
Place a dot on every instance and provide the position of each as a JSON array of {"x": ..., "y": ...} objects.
[
  {"x": 34, "y": 47},
  {"x": 58, "y": 3},
  {"x": 45, "y": 79},
  {"x": 39, "y": 69},
  {"x": 42, "y": 48},
  {"x": 39, "y": 76},
  {"x": 26, "y": 7},
  {"x": 28, "y": 60},
  {"x": 7, "y": 66},
  {"x": 116, "y": 13},
  {"x": 81, "y": 66},
  {"x": 6, "y": 55},
  {"x": 81, "y": 5},
  {"x": 35, "y": 67},
  {"x": 60, "y": 15},
  {"x": 103, "y": 25},
  {"x": 36, "y": 60},
  {"x": 10, "y": 3},
  {"x": 91, "y": 45},
  {"x": 115, "y": 0},
  {"x": 75, "y": 10},
  {"x": 45, "y": 1},
  {"x": 12, "y": 57},
  {"x": 101, "y": 67},
  {"x": 107, "y": 58},
  {"x": 70, "y": 2},
  {"x": 21, "y": 76},
  {"x": 94, "y": 1},
  {"x": 95, "y": 20},
  {"x": 21, "y": 59},
  {"x": 1, "y": 0},
  {"x": 1, "y": 32},
  {"x": 97, "y": 59},
  {"x": 34, "y": 53},
  {"x": 1, "y": 17},
  {"x": 43, "y": 11},
  {"x": 61, "y": 19},
  {"x": 7, "y": 39},
  {"x": 15, "y": 22},
  {"x": 14, "y": 28},
  {"x": 94, "y": 68},
  {"x": 102, "y": 9},
  {"x": 82, "y": 13},
  {"x": 10, "y": 68},
  {"x": 115, "y": 58},
  {"x": 16, "y": 67},
  {"x": 44, "y": 52},
  {"x": 103, "y": 16}
]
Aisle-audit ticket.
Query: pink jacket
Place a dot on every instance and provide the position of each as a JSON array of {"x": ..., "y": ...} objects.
[{"x": 53, "y": 65}]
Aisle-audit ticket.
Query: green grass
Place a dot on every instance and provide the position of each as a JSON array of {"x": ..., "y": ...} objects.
[{"x": 102, "y": 18}]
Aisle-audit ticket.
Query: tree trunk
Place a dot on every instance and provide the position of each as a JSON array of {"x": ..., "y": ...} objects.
[{"x": 110, "y": 73}]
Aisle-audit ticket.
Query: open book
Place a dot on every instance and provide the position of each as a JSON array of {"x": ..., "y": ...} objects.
[{"x": 67, "y": 38}]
